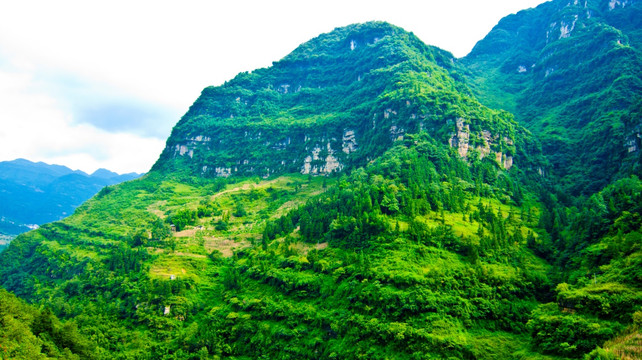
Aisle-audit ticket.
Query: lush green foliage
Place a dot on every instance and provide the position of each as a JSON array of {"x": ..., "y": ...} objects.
[
  {"x": 426, "y": 241},
  {"x": 409, "y": 257},
  {"x": 598, "y": 246},
  {"x": 29, "y": 333},
  {"x": 571, "y": 74}
]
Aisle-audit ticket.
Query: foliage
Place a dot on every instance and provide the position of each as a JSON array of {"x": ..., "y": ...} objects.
[
  {"x": 409, "y": 248},
  {"x": 342, "y": 274},
  {"x": 569, "y": 73},
  {"x": 29, "y": 333},
  {"x": 599, "y": 247}
]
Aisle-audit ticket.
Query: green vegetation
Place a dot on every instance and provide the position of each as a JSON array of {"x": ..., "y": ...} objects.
[
  {"x": 347, "y": 104},
  {"x": 599, "y": 250},
  {"x": 29, "y": 333},
  {"x": 437, "y": 229},
  {"x": 407, "y": 257},
  {"x": 571, "y": 74}
]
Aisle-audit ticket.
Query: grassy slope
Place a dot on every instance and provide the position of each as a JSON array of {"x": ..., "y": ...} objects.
[{"x": 223, "y": 290}]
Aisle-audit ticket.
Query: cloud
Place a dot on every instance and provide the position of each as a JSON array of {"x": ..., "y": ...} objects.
[
  {"x": 126, "y": 117},
  {"x": 101, "y": 105},
  {"x": 36, "y": 126}
]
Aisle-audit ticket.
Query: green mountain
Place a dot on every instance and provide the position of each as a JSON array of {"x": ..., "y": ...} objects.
[
  {"x": 336, "y": 102},
  {"x": 33, "y": 194},
  {"x": 570, "y": 72},
  {"x": 354, "y": 200}
]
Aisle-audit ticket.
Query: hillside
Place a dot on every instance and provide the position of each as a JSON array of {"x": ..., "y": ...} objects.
[
  {"x": 570, "y": 72},
  {"x": 29, "y": 333},
  {"x": 356, "y": 200},
  {"x": 37, "y": 193},
  {"x": 415, "y": 246}
]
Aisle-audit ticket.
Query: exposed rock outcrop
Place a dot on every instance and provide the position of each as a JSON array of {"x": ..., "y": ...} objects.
[{"x": 460, "y": 138}]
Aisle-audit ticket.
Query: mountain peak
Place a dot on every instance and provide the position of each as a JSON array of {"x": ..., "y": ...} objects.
[
  {"x": 104, "y": 174},
  {"x": 377, "y": 41},
  {"x": 343, "y": 39},
  {"x": 569, "y": 71},
  {"x": 335, "y": 102}
]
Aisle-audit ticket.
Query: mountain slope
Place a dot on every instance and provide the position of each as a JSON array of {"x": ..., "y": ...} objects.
[
  {"x": 417, "y": 247},
  {"x": 29, "y": 333},
  {"x": 392, "y": 261},
  {"x": 37, "y": 193},
  {"x": 570, "y": 72}
]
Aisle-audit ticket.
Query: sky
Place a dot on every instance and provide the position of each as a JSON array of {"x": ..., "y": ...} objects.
[{"x": 100, "y": 84}]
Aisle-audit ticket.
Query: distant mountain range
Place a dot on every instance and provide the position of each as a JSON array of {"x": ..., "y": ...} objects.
[{"x": 36, "y": 193}]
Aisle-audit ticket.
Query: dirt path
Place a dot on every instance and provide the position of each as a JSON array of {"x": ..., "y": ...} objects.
[{"x": 245, "y": 187}]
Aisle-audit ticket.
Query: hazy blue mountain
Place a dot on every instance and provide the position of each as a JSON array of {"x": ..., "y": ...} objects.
[{"x": 37, "y": 193}]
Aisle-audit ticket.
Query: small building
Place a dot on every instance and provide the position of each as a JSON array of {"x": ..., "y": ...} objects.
[
  {"x": 172, "y": 227},
  {"x": 172, "y": 277}
]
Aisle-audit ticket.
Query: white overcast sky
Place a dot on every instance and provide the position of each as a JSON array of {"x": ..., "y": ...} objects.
[{"x": 91, "y": 84}]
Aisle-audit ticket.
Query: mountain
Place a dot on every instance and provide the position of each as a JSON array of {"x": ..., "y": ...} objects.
[
  {"x": 33, "y": 174},
  {"x": 420, "y": 222},
  {"x": 336, "y": 102},
  {"x": 36, "y": 193},
  {"x": 570, "y": 72},
  {"x": 357, "y": 199}
]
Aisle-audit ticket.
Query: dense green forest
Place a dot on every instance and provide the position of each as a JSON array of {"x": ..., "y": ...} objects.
[
  {"x": 570, "y": 72},
  {"x": 366, "y": 197},
  {"x": 29, "y": 333}
]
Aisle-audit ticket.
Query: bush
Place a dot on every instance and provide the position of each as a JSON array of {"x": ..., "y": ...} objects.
[{"x": 637, "y": 318}]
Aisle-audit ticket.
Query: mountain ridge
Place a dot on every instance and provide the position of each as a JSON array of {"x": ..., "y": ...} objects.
[
  {"x": 569, "y": 71},
  {"x": 345, "y": 129},
  {"x": 37, "y": 193}
]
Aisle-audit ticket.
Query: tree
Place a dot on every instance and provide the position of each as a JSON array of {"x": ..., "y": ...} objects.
[
  {"x": 264, "y": 239},
  {"x": 390, "y": 204},
  {"x": 183, "y": 218},
  {"x": 43, "y": 323},
  {"x": 240, "y": 210},
  {"x": 139, "y": 238}
]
